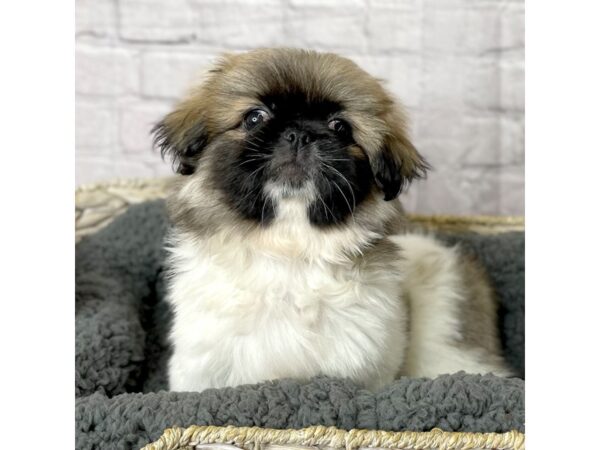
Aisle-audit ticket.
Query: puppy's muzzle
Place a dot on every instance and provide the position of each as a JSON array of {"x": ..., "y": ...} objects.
[{"x": 298, "y": 138}]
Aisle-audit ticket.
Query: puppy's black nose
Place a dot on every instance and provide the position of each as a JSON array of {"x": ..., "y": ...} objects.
[{"x": 298, "y": 138}]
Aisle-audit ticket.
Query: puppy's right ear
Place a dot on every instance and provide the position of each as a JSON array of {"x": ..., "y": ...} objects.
[{"x": 182, "y": 136}]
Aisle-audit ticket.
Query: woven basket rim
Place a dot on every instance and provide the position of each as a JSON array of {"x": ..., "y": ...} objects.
[
  {"x": 322, "y": 436},
  {"x": 134, "y": 183},
  {"x": 441, "y": 219}
]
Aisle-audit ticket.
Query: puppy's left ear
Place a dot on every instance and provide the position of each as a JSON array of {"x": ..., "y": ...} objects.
[
  {"x": 398, "y": 162},
  {"x": 182, "y": 136}
]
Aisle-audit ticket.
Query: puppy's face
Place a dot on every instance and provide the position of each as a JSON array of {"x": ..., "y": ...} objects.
[
  {"x": 272, "y": 125},
  {"x": 294, "y": 146}
]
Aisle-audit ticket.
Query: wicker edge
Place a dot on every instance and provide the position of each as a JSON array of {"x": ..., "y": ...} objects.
[
  {"x": 133, "y": 183},
  {"x": 321, "y": 436},
  {"x": 516, "y": 221}
]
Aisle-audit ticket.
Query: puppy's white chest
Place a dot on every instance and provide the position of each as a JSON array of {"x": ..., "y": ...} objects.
[{"x": 248, "y": 318}]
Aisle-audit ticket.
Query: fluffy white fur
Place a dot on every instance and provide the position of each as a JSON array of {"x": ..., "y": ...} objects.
[
  {"x": 435, "y": 290},
  {"x": 283, "y": 302}
]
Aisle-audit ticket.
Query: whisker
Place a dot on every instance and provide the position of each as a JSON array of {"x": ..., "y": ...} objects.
[
  {"x": 251, "y": 177},
  {"x": 255, "y": 140},
  {"x": 247, "y": 196},
  {"x": 256, "y": 137},
  {"x": 343, "y": 179},
  {"x": 254, "y": 146},
  {"x": 262, "y": 214},
  {"x": 256, "y": 171},
  {"x": 254, "y": 159},
  {"x": 325, "y": 206},
  {"x": 347, "y": 202},
  {"x": 332, "y": 159}
]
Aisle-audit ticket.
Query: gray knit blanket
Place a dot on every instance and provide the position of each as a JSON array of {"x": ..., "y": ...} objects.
[{"x": 122, "y": 323}]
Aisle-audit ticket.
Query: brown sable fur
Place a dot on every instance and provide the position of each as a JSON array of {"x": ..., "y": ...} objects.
[{"x": 237, "y": 80}]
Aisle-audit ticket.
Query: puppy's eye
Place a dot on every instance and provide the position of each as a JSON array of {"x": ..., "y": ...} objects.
[
  {"x": 255, "y": 117},
  {"x": 339, "y": 126}
]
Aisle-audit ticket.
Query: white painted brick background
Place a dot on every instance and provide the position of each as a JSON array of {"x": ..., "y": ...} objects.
[{"x": 458, "y": 66}]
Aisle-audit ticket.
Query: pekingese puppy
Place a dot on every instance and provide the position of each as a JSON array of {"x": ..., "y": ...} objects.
[{"x": 290, "y": 255}]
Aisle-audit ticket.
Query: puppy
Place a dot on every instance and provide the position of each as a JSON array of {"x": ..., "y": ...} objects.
[{"x": 290, "y": 255}]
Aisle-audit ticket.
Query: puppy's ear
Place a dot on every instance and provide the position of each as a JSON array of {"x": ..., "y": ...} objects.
[
  {"x": 398, "y": 162},
  {"x": 182, "y": 136}
]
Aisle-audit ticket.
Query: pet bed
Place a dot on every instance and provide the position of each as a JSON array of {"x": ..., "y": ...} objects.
[{"x": 121, "y": 354}]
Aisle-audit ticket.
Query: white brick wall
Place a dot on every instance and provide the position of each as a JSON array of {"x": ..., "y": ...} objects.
[{"x": 458, "y": 66}]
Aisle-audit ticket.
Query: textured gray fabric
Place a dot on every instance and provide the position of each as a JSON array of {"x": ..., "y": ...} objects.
[{"x": 121, "y": 354}]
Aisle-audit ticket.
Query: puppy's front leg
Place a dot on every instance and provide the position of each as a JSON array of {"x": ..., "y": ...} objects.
[{"x": 188, "y": 373}]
